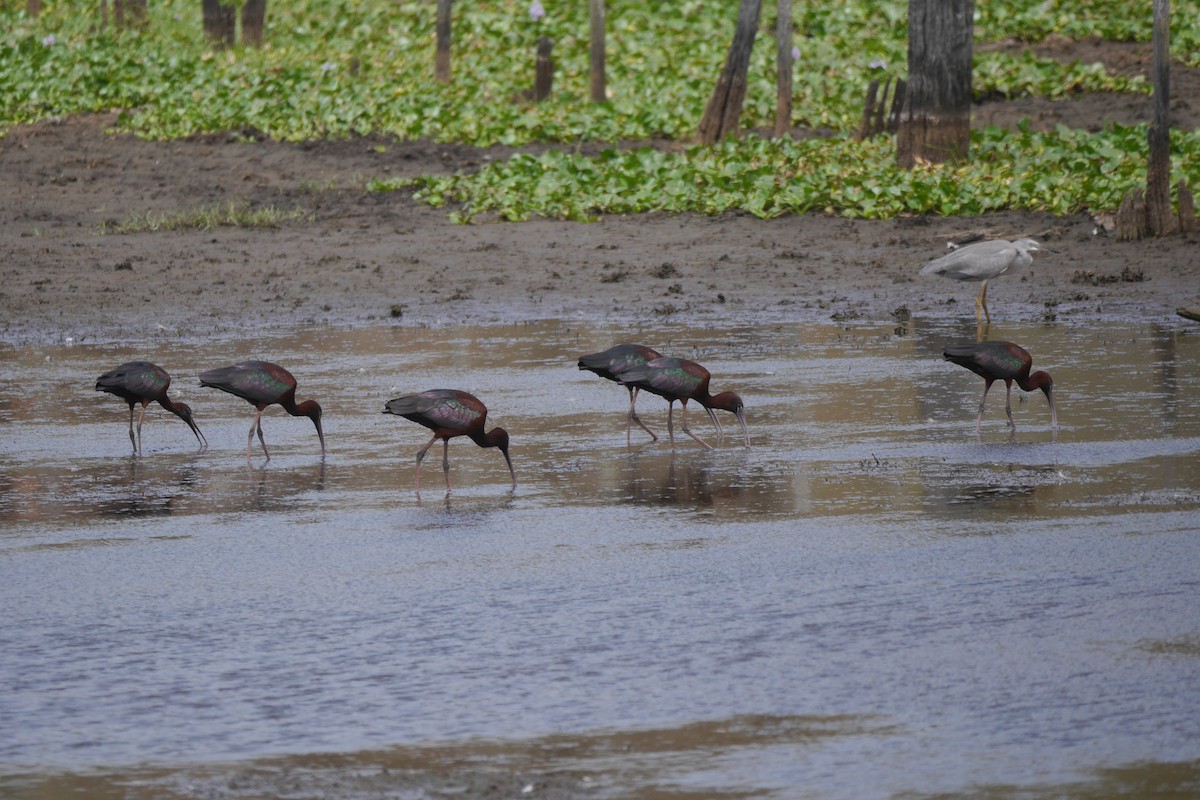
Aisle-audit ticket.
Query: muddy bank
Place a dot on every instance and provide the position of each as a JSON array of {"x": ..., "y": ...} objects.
[{"x": 355, "y": 257}]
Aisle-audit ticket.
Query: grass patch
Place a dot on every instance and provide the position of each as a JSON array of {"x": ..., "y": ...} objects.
[{"x": 231, "y": 214}]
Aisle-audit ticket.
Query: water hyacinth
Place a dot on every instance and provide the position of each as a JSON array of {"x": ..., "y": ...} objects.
[{"x": 536, "y": 10}]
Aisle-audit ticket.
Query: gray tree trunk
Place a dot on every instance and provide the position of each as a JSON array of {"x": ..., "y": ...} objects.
[
  {"x": 935, "y": 122},
  {"x": 596, "y": 71},
  {"x": 1158, "y": 176},
  {"x": 441, "y": 59},
  {"x": 254, "y": 17},
  {"x": 725, "y": 106},
  {"x": 220, "y": 21},
  {"x": 783, "y": 61}
]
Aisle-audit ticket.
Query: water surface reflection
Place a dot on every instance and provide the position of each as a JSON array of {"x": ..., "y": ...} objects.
[{"x": 869, "y": 583}]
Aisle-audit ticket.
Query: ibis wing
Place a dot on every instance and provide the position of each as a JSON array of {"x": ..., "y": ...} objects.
[
  {"x": 137, "y": 378},
  {"x": 256, "y": 381},
  {"x": 439, "y": 409},
  {"x": 616, "y": 360},
  {"x": 996, "y": 359},
  {"x": 665, "y": 377}
]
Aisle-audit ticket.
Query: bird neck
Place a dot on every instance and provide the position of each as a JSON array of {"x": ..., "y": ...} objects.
[
  {"x": 171, "y": 406},
  {"x": 725, "y": 401},
  {"x": 305, "y": 409},
  {"x": 493, "y": 438},
  {"x": 1038, "y": 380}
]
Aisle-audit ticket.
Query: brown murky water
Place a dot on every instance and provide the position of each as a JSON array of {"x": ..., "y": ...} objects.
[{"x": 869, "y": 584}]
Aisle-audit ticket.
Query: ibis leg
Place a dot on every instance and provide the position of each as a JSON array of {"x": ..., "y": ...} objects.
[
  {"x": 420, "y": 455},
  {"x": 671, "y": 422},
  {"x": 141, "y": 417},
  {"x": 256, "y": 425},
  {"x": 633, "y": 393},
  {"x": 982, "y": 401},
  {"x": 1008, "y": 404},
  {"x": 446, "y": 462},
  {"x": 689, "y": 433},
  {"x": 132, "y": 440}
]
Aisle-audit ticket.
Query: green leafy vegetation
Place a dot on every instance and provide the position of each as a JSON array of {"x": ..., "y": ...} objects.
[
  {"x": 335, "y": 68},
  {"x": 1060, "y": 172}
]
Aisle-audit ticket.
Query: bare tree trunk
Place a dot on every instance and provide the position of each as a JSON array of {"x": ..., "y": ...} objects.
[
  {"x": 783, "y": 61},
  {"x": 1158, "y": 176},
  {"x": 935, "y": 123},
  {"x": 441, "y": 59},
  {"x": 220, "y": 21},
  {"x": 103, "y": 13},
  {"x": 33, "y": 8},
  {"x": 725, "y": 106},
  {"x": 129, "y": 13},
  {"x": 596, "y": 69},
  {"x": 544, "y": 70},
  {"x": 254, "y": 17}
]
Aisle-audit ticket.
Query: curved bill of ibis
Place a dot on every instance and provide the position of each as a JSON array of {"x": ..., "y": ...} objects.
[
  {"x": 511, "y": 471},
  {"x": 199, "y": 436},
  {"x": 320, "y": 434},
  {"x": 1053, "y": 413},
  {"x": 741, "y": 415},
  {"x": 716, "y": 422}
]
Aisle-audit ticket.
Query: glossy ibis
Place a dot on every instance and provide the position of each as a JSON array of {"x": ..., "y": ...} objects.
[
  {"x": 683, "y": 380},
  {"x": 262, "y": 384},
  {"x": 140, "y": 382},
  {"x": 1002, "y": 361},
  {"x": 449, "y": 413},
  {"x": 983, "y": 261},
  {"x": 611, "y": 363}
]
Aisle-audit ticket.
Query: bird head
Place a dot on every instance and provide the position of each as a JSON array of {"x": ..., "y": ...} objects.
[
  {"x": 185, "y": 413},
  {"x": 1042, "y": 380},
  {"x": 1032, "y": 246},
  {"x": 731, "y": 401},
  {"x": 498, "y": 437},
  {"x": 312, "y": 410}
]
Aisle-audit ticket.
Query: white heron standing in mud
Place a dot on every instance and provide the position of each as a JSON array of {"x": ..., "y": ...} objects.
[{"x": 983, "y": 261}]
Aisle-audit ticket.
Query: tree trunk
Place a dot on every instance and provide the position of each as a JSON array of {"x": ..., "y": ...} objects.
[
  {"x": 33, "y": 8},
  {"x": 441, "y": 59},
  {"x": 1158, "y": 175},
  {"x": 220, "y": 21},
  {"x": 783, "y": 61},
  {"x": 596, "y": 69},
  {"x": 935, "y": 123},
  {"x": 543, "y": 79},
  {"x": 129, "y": 13},
  {"x": 725, "y": 106},
  {"x": 254, "y": 16}
]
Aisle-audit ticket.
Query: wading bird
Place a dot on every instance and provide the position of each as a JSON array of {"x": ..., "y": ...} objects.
[
  {"x": 611, "y": 363},
  {"x": 263, "y": 384},
  {"x": 683, "y": 380},
  {"x": 983, "y": 261},
  {"x": 449, "y": 413},
  {"x": 144, "y": 383},
  {"x": 1002, "y": 361}
]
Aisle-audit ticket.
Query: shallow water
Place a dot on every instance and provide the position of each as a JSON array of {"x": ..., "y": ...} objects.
[{"x": 869, "y": 583}]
